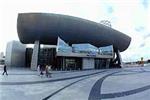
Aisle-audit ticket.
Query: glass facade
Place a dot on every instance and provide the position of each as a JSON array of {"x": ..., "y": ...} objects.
[
  {"x": 100, "y": 63},
  {"x": 69, "y": 63},
  {"x": 65, "y": 57},
  {"x": 108, "y": 50},
  {"x": 28, "y": 56},
  {"x": 62, "y": 46},
  {"x": 84, "y": 48},
  {"x": 47, "y": 56}
]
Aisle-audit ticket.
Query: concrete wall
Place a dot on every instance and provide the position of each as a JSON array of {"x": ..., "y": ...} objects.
[
  {"x": 88, "y": 63},
  {"x": 8, "y": 54},
  {"x": 15, "y": 54}
]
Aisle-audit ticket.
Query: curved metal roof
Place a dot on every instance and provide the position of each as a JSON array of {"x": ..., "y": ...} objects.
[{"x": 46, "y": 28}]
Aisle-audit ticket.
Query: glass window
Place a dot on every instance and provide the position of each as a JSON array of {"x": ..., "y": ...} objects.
[
  {"x": 62, "y": 46},
  {"x": 84, "y": 48},
  {"x": 108, "y": 50}
]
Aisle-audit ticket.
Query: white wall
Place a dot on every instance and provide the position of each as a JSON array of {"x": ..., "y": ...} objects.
[
  {"x": 88, "y": 63},
  {"x": 8, "y": 54},
  {"x": 15, "y": 54}
]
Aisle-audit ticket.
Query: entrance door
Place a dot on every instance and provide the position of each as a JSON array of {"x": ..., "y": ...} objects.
[{"x": 70, "y": 64}]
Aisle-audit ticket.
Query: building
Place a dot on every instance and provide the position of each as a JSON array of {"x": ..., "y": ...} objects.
[
  {"x": 2, "y": 58},
  {"x": 78, "y": 43},
  {"x": 15, "y": 54}
]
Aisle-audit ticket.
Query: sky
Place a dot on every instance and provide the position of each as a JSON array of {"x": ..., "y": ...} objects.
[{"x": 132, "y": 17}]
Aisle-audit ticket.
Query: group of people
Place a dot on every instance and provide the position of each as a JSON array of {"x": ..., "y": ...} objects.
[{"x": 41, "y": 70}]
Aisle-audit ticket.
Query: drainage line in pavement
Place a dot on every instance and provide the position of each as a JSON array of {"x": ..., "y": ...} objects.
[
  {"x": 95, "y": 93},
  {"x": 124, "y": 93}
]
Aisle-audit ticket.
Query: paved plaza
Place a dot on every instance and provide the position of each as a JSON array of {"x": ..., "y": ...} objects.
[{"x": 109, "y": 84}]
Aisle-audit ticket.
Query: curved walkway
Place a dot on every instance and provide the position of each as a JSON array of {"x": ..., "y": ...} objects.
[{"x": 95, "y": 93}]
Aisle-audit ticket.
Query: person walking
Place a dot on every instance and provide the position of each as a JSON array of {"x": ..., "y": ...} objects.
[
  {"x": 5, "y": 70},
  {"x": 41, "y": 71},
  {"x": 49, "y": 71},
  {"x": 38, "y": 70},
  {"x": 46, "y": 71}
]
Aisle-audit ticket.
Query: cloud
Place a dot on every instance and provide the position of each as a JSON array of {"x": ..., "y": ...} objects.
[
  {"x": 143, "y": 31},
  {"x": 140, "y": 28},
  {"x": 145, "y": 3},
  {"x": 110, "y": 9},
  {"x": 142, "y": 45},
  {"x": 147, "y": 36}
]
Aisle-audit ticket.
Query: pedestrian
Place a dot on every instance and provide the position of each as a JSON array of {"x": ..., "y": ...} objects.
[
  {"x": 41, "y": 71},
  {"x": 38, "y": 70},
  {"x": 46, "y": 71},
  {"x": 5, "y": 70},
  {"x": 49, "y": 70}
]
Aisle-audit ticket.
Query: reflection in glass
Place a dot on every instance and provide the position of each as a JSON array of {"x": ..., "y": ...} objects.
[
  {"x": 84, "y": 48},
  {"x": 62, "y": 46},
  {"x": 108, "y": 50}
]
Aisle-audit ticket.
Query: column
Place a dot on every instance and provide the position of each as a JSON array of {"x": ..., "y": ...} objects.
[
  {"x": 34, "y": 59},
  {"x": 119, "y": 58}
]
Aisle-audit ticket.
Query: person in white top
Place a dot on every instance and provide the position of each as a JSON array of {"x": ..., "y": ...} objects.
[
  {"x": 47, "y": 70},
  {"x": 38, "y": 70}
]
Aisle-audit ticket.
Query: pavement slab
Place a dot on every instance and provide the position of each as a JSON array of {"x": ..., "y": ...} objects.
[{"x": 109, "y": 84}]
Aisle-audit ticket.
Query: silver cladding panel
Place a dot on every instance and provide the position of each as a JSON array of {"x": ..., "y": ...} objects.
[{"x": 47, "y": 27}]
